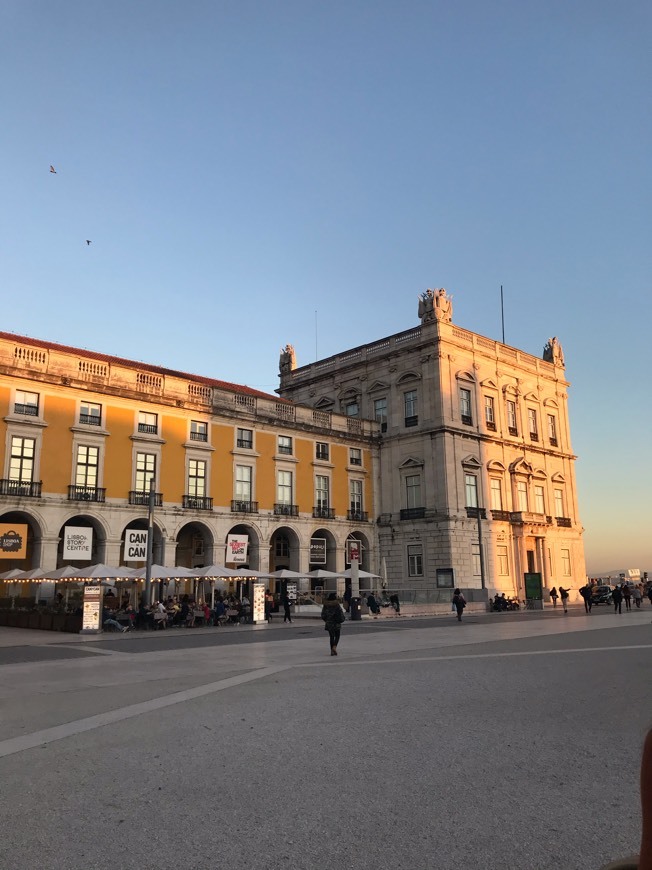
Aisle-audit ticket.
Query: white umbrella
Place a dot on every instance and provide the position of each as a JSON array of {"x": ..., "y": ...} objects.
[
  {"x": 13, "y": 574},
  {"x": 249, "y": 572},
  {"x": 164, "y": 572},
  {"x": 106, "y": 572},
  {"x": 321, "y": 574},
  {"x": 218, "y": 571},
  {"x": 365, "y": 574},
  {"x": 65, "y": 573},
  {"x": 34, "y": 574},
  {"x": 286, "y": 574}
]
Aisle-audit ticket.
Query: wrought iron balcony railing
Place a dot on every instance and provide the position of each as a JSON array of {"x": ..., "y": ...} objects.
[
  {"x": 197, "y": 502},
  {"x": 199, "y": 436},
  {"x": 26, "y": 410},
  {"x": 467, "y": 419},
  {"x": 90, "y": 420},
  {"x": 148, "y": 428},
  {"x": 244, "y": 507},
  {"x": 413, "y": 513},
  {"x": 472, "y": 513},
  {"x": 86, "y": 493},
  {"x": 286, "y": 510},
  {"x": 503, "y": 516},
  {"x": 357, "y": 516},
  {"x": 138, "y": 497},
  {"x": 323, "y": 513},
  {"x": 564, "y": 521},
  {"x": 31, "y": 488}
]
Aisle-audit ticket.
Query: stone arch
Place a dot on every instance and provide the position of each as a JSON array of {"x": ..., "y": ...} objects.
[
  {"x": 365, "y": 549},
  {"x": 35, "y": 530},
  {"x": 331, "y": 549},
  {"x": 407, "y": 377},
  {"x": 254, "y": 538},
  {"x": 285, "y": 549},
  {"x": 98, "y": 548},
  {"x": 158, "y": 545},
  {"x": 194, "y": 545}
]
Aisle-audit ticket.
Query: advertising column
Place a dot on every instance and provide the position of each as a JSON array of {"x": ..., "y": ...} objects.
[{"x": 92, "y": 613}]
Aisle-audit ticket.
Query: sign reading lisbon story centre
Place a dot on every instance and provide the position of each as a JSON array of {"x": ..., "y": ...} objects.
[
  {"x": 77, "y": 543},
  {"x": 236, "y": 549},
  {"x": 135, "y": 545}
]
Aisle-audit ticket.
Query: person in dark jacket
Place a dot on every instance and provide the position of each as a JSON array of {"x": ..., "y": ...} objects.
[
  {"x": 564, "y": 598},
  {"x": 285, "y": 601},
  {"x": 460, "y": 603},
  {"x": 396, "y": 604},
  {"x": 554, "y": 595},
  {"x": 333, "y": 616},
  {"x": 617, "y": 598},
  {"x": 585, "y": 592}
]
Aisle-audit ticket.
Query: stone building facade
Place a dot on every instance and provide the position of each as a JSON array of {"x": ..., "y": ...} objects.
[{"x": 476, "y": 480}]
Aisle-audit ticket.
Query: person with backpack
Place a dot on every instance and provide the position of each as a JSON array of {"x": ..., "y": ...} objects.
[
  {"x": 333, "y": 617},
  {"x": 585, "y": 592},
  {"x": 564, "y": 598},
  {"x": 553, "y": 596},
  {"x": 459, "y": 603}
]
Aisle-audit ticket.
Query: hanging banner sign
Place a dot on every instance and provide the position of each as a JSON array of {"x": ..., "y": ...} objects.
[
  {"x": 353, "y": 552},
  {"x": 13, "y": 541},
  {"x": 318, "y": 551},
  {"x": 236, "y": 549},
  {"x": 136, "y": 545},
  {"x": 77, "y": 543},
  {"x": 258, "y": 603}
]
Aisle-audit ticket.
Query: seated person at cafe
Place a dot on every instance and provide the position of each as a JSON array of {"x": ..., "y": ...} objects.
[{"x": 107, "y": 620}]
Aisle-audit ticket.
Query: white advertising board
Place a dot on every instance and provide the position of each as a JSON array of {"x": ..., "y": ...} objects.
[
  {"x": 77, "y": 543},
  {"x": 136, "y": 545},
  {"x": 236, "y": 549},
  {"x": 258, "y": 603}
]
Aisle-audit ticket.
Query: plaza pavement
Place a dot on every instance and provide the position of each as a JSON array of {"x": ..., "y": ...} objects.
[{"x": 507, "y": 741}]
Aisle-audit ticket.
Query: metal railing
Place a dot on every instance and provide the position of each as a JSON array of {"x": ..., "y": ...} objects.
[
  {"x": 357, "y": 516},
  {"x": 244, "y": 507},
  {"x": 413, "y": 513},
  {"x": 31, "y": 489},
  {"x": 323, "y": 513},
  {"x": 90, "y": 420},
  {"x": 86, "y": 493},
  {"x": 148, "y": 428},
  {"x": 286, "y": 510},
  {"x": 197, "y": 502},
  {"x": 142, "y": 498}
]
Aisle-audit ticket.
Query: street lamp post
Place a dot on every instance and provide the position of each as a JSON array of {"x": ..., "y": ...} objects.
[
  {"x": 482, "y": 577},
  {"x": 150, "y": 542}
]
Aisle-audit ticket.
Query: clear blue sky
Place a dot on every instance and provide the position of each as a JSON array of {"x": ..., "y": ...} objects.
[{"x": 241, "y": 165}]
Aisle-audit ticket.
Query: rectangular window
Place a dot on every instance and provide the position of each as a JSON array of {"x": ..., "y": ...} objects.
[
  {"x": 471, "y": 487},
  {"x": 539, "y": 500},
  {"x": 245, "y": 439},
  {"x": 21, "y": 464},
  {"x": 475, "y": 560},
  {"x": 355, "y": 456},
  {"x": 503, "y": 561},
  {"x": 352, "y": 408},
  {"x": 243, "y": 483},
  {"x": 490, "y": 413},
  {"x": 511, "y": 417},
  {"x": 415, "y": 560},
  {"x": 356, "y": 496},
  {"x": 521, "y": 492},
  {"x": 465, "y": 407},
  {"x": 198, "y": 430},
  {"x": 147, "y": 423},
  {"x": 552, "y": 429},
  {"x": 197, "y": 478},
  {"x": 559, "y": 503},
  {"x": 145, "y": 471},
  {"x": 380, "y": 413},
  {"x": 26, "y": 403},
  {"x": 90, "y": 413},
  {"x": 565, "y": 563},
  {"x": 322, "y": 491},
  {"x": 496, "y": 494},
  {"x": 86, "y": 467},
  {"x": 413, "y": 491},
  {"x": 284, "y": 487},
  {"x": 532, "y": 424},
  {"x": 285, "y": 445},
  {"x": 321, "y": 450},
  {"x": 411, "y": 409}
]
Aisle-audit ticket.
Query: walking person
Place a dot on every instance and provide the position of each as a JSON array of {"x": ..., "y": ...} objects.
[
  {"x": 554, "y": 595},
  {"x": 617, "y": 598},
  {"x": 396, "y": 604},
  {"x": 638, "y": 596},
  {"x": 564, "y": 598},
  {"x": 585, "y": 592},
  {"x": 285, "y": 601},
  {"x": 333, "y": 616},
  {"x": 459, "y": 602},
  {"x": 627, "y": 595}
]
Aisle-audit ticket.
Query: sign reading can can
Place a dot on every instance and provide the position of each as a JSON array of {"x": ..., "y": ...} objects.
[
  {"x": 136, "y": 545},
  {"x": 77, "y": 543},
  {"x": 13, "y": 541},
  {"x": 92, "y": 608},
  {"x": 236, "y": 549},
  {"x": 318, "y": 551}
]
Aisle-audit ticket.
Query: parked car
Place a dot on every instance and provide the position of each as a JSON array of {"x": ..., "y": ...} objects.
[{"x": 601, "y": 594}]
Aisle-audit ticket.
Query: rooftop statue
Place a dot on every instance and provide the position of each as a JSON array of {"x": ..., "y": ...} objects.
[
  {"x": 552, "y": 351},
  {"x": 435, "y": 305},
  {"x": 287, "y": 361}
]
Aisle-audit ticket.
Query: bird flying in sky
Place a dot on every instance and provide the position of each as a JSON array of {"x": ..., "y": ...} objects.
[
  {"x": 52, "y": 169},
  {"x": 88, "y": 241}
]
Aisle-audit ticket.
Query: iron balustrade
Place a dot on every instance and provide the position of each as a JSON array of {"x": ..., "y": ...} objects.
[
  {"x": 472, "y": 513},
  {"x": 26, "y": 410},
  {"x": 411, "y": 421},
  {"x": 86, "y": 493},
  {"x": 148, "y": 428},
  {"x": 491, "y": 426},
  {"x": 504, "y": 516},
  {"x": 142, "y": 497},
  {"x": 357, "y": 516},
  {"x": 244, "y": 507},
  {"x": 554, "y": 442},
  {"x": 286, "y": 510},
  {"x": 415, "y": 513},
  {"x": 199, "y": 436},
  {"x": 29, "y": 488},
  {"x": 513, "y": 431},
  {"x": 534, "y": 436},
  {"x": 564, "y": 521},
  {"x": 90, "y": 419},
  {"x": 197, "y": 502},
  {"x": 245, "y": 443},
  {"x": 467, "y": 420},
  {"x": 323, "y": 513}
]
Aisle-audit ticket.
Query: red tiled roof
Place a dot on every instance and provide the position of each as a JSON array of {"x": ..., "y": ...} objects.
[{"x": 103, "y": 357}]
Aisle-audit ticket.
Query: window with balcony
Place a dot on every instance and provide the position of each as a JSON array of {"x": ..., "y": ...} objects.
[
  {"x": 355, "y": 456},
  {"x": 471, "y": 490},
  {"x": 21, "y": 464},
  {"x": 512, "y": 426},
  {"x": 410, "y": 408},
  {"x": 552, "y": 430},
  {"x": 87, "y": 466},
  {"x": 522, "y": 496},
  {"x": 284, "y": 488},
  {"x": 198, "y": 430},
  {"x": 145, "y": 471},
  {"x": 415, "y": 560},
  {"x": 490, "y": 413},
  {"x": 147, "y": 423},
  {"x": 322, "y": 507},
  {"x": 355, "y": 499},
  {"x": 539, "y": 499},
  {"x": 197, "y": 478},
  {"x": 380, "y": 413},
  {"x": 243, "y": 483},
  {"x": 26, "y": 403},
  {"x": 352, "y": 408},
  {"x": 285, "y": 445},
  {"x": 90, "y": 414},
  {"x": 465, "y": 407},
  {"x": 321, "y": 451},
  {"x": 496, "y": 490},
  {"x": 245, "y": 439},
  {"x": 414, "y": 507},
  {"x": 559, "y": 503},
  {"x": 532, "y": 424}
]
